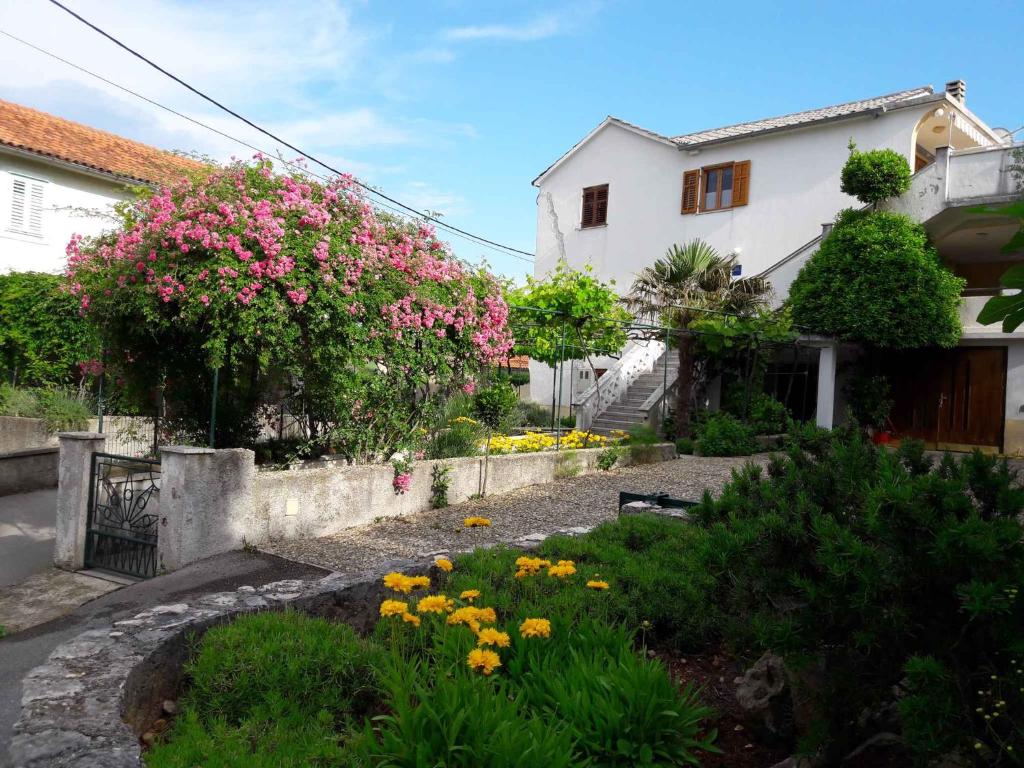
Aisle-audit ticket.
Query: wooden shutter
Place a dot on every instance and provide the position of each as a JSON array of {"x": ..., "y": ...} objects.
[
  {"x": 595, "y": 206},
  {"x": 691, "y": 191},
  {"x": 19, "y": 205},
  {"x": 740, "y": 183},
  {"x": 27, "y": 206},
  {"x": 601, "y": 205}
]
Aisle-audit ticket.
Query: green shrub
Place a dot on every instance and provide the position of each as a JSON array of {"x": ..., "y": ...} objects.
[
  {"x": 725, "y": 435},
  {"x": 684, "y": 446},
  {"x": 519, "y": 377},
  {"x": 876, "y": 280},
  {"x": 440, "y": 480},
  {"x": 875, "y": 175},
  {"x": 869, "y": 563},
  {"x": 64, "y": 411},
  {"x": 246, "y": 667},
  {"x": 19, "y": 402},
  {"x": 609, "y": 457},
  {"x": 493, "y": 406},
  {"x": 767, "y": 415},
  {"x": 568, "y": 422},
  {"x": 870, "y": 400},
  {"x": 528, "y": 414}
]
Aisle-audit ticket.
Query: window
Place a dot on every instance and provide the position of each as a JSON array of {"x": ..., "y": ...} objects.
[
  {"x": 595, "y": 206},
  {"x": 716, "y": 187},
  {"x": 26, "y": 206}
]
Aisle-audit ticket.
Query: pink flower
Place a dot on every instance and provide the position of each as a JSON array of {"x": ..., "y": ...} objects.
[
  {"x": 402, "y": 482},
  {"x": 469, "y": 387}
]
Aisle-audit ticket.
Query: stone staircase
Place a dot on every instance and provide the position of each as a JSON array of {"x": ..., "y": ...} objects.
[{"x": 627, "y": 411}]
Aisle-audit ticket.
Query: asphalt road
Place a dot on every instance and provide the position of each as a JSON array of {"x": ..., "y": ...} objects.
[
  {"x": 22, "y": 651},
  {"x": 27, "y": 523}
]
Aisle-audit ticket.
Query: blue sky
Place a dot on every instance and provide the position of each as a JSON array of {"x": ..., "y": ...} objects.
[{"x": 456, "y": 106}]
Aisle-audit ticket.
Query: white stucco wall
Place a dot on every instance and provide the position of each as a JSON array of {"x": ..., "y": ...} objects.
[
  {"x": 794, "y": 189},
  {"x": 65, "y": 194}
]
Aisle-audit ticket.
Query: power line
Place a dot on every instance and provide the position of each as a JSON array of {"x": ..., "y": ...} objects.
[
  {"x": 190, "y": 119},
  {"x": 515, "y": 252}
]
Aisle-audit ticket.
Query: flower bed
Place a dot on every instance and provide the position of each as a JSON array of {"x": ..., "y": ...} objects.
[{"x": 500, "y": 659}]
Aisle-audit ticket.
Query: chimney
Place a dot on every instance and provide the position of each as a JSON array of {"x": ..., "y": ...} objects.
[{"x": 957, "y": 90}]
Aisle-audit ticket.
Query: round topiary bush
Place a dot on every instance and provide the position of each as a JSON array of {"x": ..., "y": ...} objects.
[
  {"x": 875, "y": 175},
  {"x": 877, "y": 280}
]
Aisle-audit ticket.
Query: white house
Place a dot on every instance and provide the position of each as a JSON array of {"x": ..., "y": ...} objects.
[
  {"x": 58, "y": 177},
  {"x": 763, "y": 190}
]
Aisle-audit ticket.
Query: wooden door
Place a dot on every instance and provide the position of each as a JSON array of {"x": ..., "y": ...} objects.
[{"x": 951, "y": 398}]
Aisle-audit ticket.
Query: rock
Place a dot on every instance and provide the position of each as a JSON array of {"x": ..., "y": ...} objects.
[
  {"x": 764, "y": 697},
  {"x": 175, "y": 609},
  {"x": 148, "y": 738},
  {"x": 639, "y": 508},
  {"x": 246, "y": 590},
  {"x": 798, "y": 762},
  {"x": 877, "y": 743},
  {"x": 951, "y": 760},
  {"x": 160, "y": 724},
  {"x": 170, "y": 707}
]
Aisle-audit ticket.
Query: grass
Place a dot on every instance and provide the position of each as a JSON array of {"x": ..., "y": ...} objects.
[{"x": 289, "y": 690}]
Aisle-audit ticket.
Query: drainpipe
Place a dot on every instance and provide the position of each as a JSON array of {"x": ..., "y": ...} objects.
[{"x": 942, "y": 163}]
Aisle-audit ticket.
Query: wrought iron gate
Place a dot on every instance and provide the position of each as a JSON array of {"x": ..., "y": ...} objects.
[{"x": 121, "y": 532}]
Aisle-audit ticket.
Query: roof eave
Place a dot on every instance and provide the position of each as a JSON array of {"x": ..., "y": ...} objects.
[
  {"x": 86, "y": 170},
  {"x": 642, "y": 132}
]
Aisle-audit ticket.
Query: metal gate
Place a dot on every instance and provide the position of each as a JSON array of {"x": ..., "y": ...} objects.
[{"x": 124, "y": 499}]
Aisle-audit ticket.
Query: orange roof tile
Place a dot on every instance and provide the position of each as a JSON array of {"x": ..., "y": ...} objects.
[
  {"x": 44, "y": 134},
  {"x": 518, "y": 361}
]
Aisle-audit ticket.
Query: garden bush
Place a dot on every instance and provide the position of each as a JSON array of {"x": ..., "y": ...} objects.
[
  {"x": 883, "y": 572},
  {"x": 277, "y": 689},
  {"x": 766, "y": 415},
  {"x": 877, "y": 280},
  {"x": 875, "y": 175},
  {"x": 61, "y": 410},
  {"x": 270, "y": 279},
  {"x": 722, "y": 434},
  {"x": 684, "y": 446}
]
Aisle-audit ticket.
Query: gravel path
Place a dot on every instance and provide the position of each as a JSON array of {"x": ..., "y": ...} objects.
[{"x": 565, "y": 506}]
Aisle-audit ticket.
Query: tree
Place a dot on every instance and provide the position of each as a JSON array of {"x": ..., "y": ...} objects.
[
  {"x": 44, "y": 341},
  {"x": 876, "y": 280},
  {"x": 688, "y": 283},
  {"x": 875, "y": 175},
  {"x": 569, "y": 315},
  {"x": 277, "y": 282}
]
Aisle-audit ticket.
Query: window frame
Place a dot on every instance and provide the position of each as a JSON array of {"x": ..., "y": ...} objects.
[
  {"x": 594, "y": 188},
  {"x": 703, "y": 191},
  {"x": 30, "y": 184}
]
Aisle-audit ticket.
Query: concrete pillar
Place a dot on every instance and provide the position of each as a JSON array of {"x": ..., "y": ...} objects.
[
  {"x": 207, "y": 504},
  {"x": 73, "y": 483},
  {"x": 826, "y": 385}
]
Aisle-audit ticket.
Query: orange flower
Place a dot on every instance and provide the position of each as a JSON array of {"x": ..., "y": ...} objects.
[
  {"x": 408, "y": 618},
  {"x": 490, "y": 636},
  {"x": 469, "y": 595},
  {"x": 483, "y": 661},
  {"x": 535, "y": 628},
  {"x": 444, "y": 564}
]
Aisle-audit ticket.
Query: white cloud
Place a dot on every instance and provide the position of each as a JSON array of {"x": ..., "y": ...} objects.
[
  {"x": 539, "y": 28},
  {"x": 426, "y": 196}
]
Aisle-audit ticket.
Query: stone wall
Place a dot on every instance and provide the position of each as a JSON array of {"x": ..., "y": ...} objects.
[
  {"x": 29, "y": 470},
  {"x": 214, "y": 501},
  {"x": 18, "y": 434}
]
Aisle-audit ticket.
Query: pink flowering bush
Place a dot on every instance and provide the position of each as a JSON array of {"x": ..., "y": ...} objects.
[{"x": 283, "y": 285}]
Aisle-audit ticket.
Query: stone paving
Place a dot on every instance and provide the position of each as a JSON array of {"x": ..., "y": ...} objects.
[{"x": 522, "y": 517}]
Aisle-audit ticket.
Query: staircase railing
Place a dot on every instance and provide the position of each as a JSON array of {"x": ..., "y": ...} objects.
[
  {"x": 652, "y": 410},
  {"x": 593, "y": 401}
]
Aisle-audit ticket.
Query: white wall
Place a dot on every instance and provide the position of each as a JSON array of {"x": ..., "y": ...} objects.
[
  {"x": 63, "y": 190},
  {"x": 794, "y": 189}
]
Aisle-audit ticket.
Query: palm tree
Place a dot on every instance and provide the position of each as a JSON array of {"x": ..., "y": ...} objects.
[{"x": 683, "y": 286}]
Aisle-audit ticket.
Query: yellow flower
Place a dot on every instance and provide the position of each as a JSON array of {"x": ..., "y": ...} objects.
[
  {"x": 594, "y": 584},
  {"x": 483, "y": 661},
  {"x": 408, "y": 618},
  {"x": 562, "y": 569},
  {"x": 535, "y": 628},
  {"x": 528, "y": 566},
  {"x": 444, "y": 564},
  {"x": 463, "y": 420},
  {"x": 434, "y": 604},
  {"x": 472, "y": 617},
  {"x": 399, "y": 582},
  {"x": 393, "y": 608},
  {"x": 469, "y": 595},
  {"x": 486, "y": 615},
  {"x": 476, "y": 522},
  {"x": 489, "y": 636}
]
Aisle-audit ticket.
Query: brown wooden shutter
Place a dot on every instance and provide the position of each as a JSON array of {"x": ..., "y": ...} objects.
[
  {"x": 587, "y": 219},
  {"x": 601, "y": 205},
  {"x": 691, "y": 191},
  {"x": 740, "y": 183}
]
